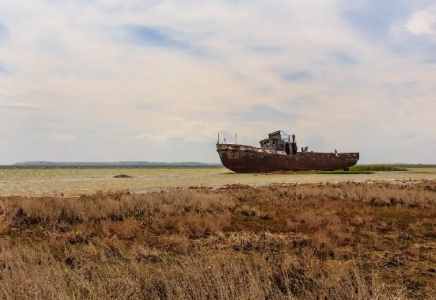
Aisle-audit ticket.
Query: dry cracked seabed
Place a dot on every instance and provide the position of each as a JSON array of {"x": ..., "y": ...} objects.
[
  {"x": 296, "y": 241},
  {"x": 76, "y": 182}
]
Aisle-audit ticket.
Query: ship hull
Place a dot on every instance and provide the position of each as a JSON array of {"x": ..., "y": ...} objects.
[{"x": 248, "y": 159}]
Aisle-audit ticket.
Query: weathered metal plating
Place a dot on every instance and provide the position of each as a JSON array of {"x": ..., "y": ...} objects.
[{"x": 278, "y": 154}]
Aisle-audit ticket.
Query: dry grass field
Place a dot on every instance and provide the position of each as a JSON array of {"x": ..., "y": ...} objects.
[{"x": 346, "y": 240}]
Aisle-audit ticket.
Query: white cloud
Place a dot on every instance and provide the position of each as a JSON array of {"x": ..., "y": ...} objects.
[
  {"x": 64, "y": 137},
  {"x": 422, "y": 22},
  {"x": 74, "y": 61},
  {"x": 182, "y": 129}
]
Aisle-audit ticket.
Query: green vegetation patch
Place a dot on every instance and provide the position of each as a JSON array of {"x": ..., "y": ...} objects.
[
  {"x": 344, "y": 172},
  {"x": 365, "y": 169},
  {"x": 378, "y": 168}
]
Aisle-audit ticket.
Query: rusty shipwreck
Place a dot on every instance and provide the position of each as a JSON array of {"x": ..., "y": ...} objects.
[{"x": 279, "y": 153}]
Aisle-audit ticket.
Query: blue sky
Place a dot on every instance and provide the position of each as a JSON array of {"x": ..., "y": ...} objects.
[{"x": 157, "y": 80}]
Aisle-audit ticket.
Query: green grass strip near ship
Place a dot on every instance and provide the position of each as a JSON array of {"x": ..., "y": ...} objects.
[
  {"x": 365, "y": 169},
  {"x": 377, "y": 168},
  {"x": 344, "y": 172}
]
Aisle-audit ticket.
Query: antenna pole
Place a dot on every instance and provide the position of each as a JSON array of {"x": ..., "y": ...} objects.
[{"x": 236, "y": 138}]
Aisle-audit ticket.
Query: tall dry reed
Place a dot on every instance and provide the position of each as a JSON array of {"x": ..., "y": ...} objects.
[{"x": 334, "y": 241}]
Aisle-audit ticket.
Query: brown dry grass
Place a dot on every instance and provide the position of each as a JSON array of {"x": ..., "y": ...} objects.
[{"x": 327, "y": 241}]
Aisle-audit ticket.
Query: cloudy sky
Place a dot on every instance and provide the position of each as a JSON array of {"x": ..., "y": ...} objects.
[{"x": 128, "y": 80}]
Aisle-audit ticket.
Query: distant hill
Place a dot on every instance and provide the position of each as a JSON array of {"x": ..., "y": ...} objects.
[{"x": 112, "y": 164}]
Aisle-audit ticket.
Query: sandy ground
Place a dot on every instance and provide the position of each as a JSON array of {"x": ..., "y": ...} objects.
[{"x": 73, "y": 182}]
